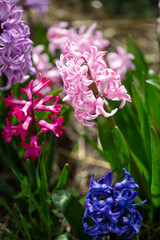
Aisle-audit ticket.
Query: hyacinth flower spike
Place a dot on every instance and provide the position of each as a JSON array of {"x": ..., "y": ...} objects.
[
  {"x": 111, "y": 208},
  {"x": 25, "y": 111},
  {"x": 16, "y": 46},
  {"x": 88, "y": 83}
]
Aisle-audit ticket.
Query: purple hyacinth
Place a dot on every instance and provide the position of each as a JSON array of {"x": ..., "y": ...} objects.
[
  {"x": 15, "y": 46},
  {"x": 111, "y": 208},
  {"x": 40, "y": 6}
]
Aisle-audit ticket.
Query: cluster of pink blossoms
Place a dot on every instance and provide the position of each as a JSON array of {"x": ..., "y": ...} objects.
[
  {"x": 88, "y": 83},
  {"x": 120, "y": 61},
  {"x": 58, "y": 33},
  {"x": 25, "y": 113},
  {"x": 43, "y": 66}
]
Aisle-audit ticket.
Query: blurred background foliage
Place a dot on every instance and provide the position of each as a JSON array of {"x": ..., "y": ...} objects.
[{"x": 115, "y": 8}]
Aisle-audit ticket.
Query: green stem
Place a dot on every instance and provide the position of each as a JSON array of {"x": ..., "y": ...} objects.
[{"x": 33, "y": 123}]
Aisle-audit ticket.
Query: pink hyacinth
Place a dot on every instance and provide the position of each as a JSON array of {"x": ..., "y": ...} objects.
[
  {"x": 58, "y": 33},
  {"x": 88, "y": 83},
  {"x": 27, "y": 113},
  {"x": 43, "y": 66},
  {"x": 120, "y": 61}
]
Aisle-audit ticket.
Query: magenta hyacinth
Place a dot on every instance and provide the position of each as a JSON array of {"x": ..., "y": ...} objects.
[
  {"x": 88, "y": 83},
  {"x": 15, "y": 50},
  {"x": 27, "y": 112}
]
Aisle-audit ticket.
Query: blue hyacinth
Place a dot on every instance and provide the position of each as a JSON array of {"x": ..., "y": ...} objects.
[{"x": 111, "y": 208}]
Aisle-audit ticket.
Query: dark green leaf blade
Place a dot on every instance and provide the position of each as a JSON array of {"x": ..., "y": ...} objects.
[
  {"x": 72, "y": 210},
  {"x": 63, "y": 178},
  {"x": 155, "y": 153},
  {"x": 145, "y": 122},
  {"x": 105, "y": 130},
  {"x": 141, "y": 71},
  {"x": 121, "y": 149}
]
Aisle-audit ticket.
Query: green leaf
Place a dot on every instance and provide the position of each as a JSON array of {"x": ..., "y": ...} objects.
[
  {"x": 141, "y": 71},
  {"x": 9, "y": 235},
  {"x": 55, "y": 92},
  {"x": 142, "y": 175},
  {"x": 14, "y": 218},
  {"x": 16, "y": 172},
  {"x": 153, "y": 100},
  {"x": 42, "y": 185},
  {"x": 154, "y": 82},
  {"x": 31, "y": 173},
  {"x": 63, "y": 178},
  {"x": 6, "y": 188},
  {"x": 122, "y": 150},
  {"x": 51, "y": 155},
  {"x": 155, "y": 153},
  {"x": 24, "y": 223},
  {"x": 145, "y": 122},
  {"x": 63, "y": 237},
  {"x": 105, "y": 130},
  {"x": 128, "y": 124},
  {"x": 72, "y": 211}
]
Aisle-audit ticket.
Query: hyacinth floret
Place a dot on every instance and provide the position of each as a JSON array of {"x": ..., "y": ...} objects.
[
  {"x": 58, "y": 33},
  {"x": 43, "y": 66},
  {"x": 121, "y": 61},
  {"x": 111, "y": 208},
  {"x": 27, "y": 112},
  {"x": 15, "y": 46},
  {"x": 88, "y": 83}
]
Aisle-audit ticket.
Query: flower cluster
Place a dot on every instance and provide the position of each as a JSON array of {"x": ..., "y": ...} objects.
[
  {"x": 88, "y": 83},
  {"x": 120, "y": 61},
  {"x": 27, "y": 113},
  {"x": 111, "y": 208},
  {"x": 40, "y": 6},
  {"x": 15, "y": 46},
  {"x": 43, "y": 66},
  {"x": 58, "y": 33}
]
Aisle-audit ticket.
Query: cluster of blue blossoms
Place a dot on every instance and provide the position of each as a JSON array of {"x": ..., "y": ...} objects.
[{"x": 111, "y": 208}]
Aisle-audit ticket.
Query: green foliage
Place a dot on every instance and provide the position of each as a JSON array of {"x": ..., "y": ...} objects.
[
  {"x": 155, "y": 181},
  {"x": 121, "y": 150},
  {"x": 131, "y": 9},
  {"x": 105, "y": 129},
  {"x": 72, "y": 210},
  {"x": 130, "y": 139},
  {"x": 63, "y": 237}
]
